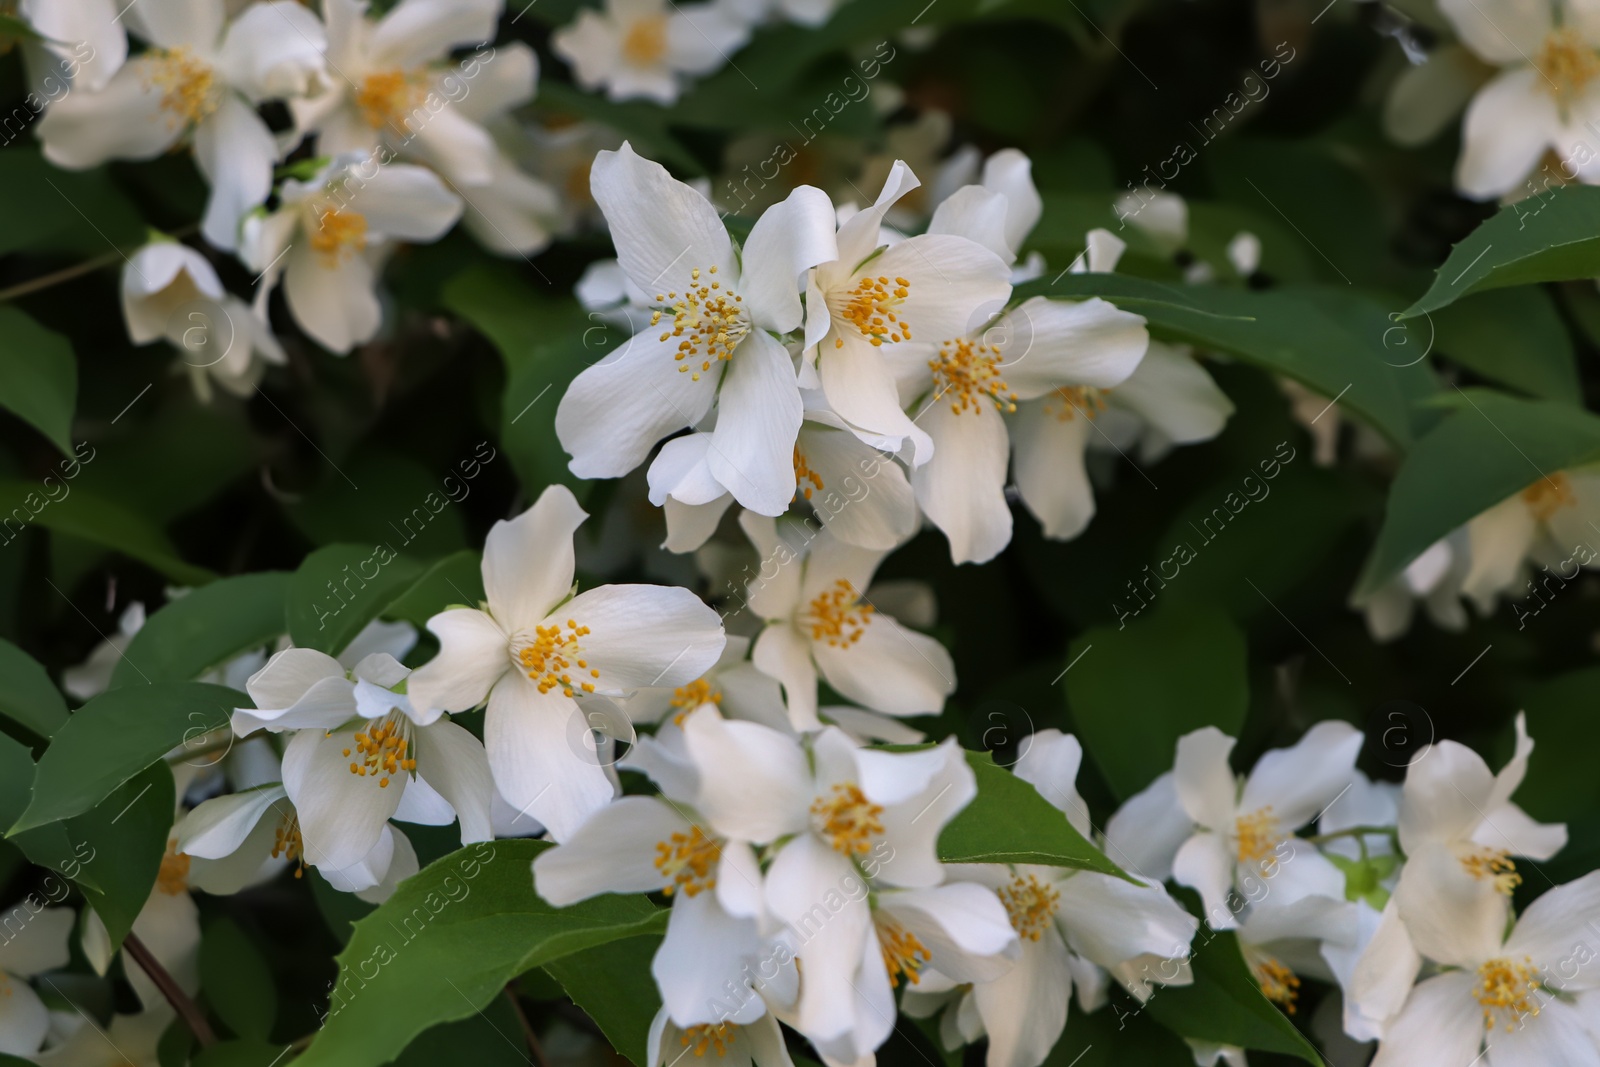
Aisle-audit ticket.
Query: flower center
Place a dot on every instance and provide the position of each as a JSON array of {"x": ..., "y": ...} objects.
[
  {"x": 386, "y": 97},
  {"x": 1077, "y": 400},
  {"x": 552, "y": 656},
  {"x": 189, "y": 90},
  {"x": 688, "y": 861},
  {"x": 803, "y": 473},
  {"x": 1567, "y": 63},
  {"x": 1258, "y": 835},
  {"x": 708, "y": 321},
  {"x": 1494, "y": 865},
  {"x": 1031, "y": 904},
  {"x": 869, "y": 307},
  {"x": 691, "y": 696},
  {"x": 972, "y": 372},
  {"x": 339, "y": 233},
  {"x": 903, "y": 954},
  {"x": 646, "y": 41},
  {"x": 1549, "y": 495},
  {"x": 1278, "y": 984},
  {"x": 1507, "y": 986},
  {"x": 838, "y": 615},
  {"x": 173, "y": 877},
  {"x": 287, "y": 842},
  {"x": 848, "y": 819},
  {"x": 383, "y": 750},
  {"x": 715, "y": 1036}
]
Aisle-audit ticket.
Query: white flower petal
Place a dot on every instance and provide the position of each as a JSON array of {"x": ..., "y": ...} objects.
[
  {"x": 457, "y": 768},
  {"x": 273, "y": 50},
  {"x": 236, "y": 152},
  {"x": 415, "y": 32},
  {"x": 528, "y": 561},
  {"x": 614, "y": 851},
  {"x": 1110, "y": 920},
  {"x": 342, "y": 814},
  {"x": 962, "y": 487},
  {"x": 963, "y": 925},
  {"x": 662, "y": 228},
  {"x": 890, "y": 669},
  {"x": 1046, "y": 344},
  {"x": 1048, "y": 465},
  {"x": 1509, "y": 125},
  {"x": 1546, "y": 931},
  {"x": 332, "y": 299},
  {"x": 645, "y": 635},
  {"x": 1500, "y": 31},
  {"x": 124, "y": 120},
  {"x": 1440, "y": 1024},
  {"x": 783, "y": 653},
  {"x": 751, "y": 451},
  {"x": 39, "y": 946},
  {"x": 217, "y": 827},
  {"x": 1452, "y": 917},
  {"x": 1172, "y": 392},
  {"x": 705, "y": 962},
  {"x": 787, "y": 240},
  {"x": 1205, "y": 865},
  {"x": 1146, "y": 832},
  {"x": 401, "y": 201},
  {"x": 979, "y": 215},
  {"x": 24, "y": 1020},
  {"x": 1299, "y": 782},
  {"x": 473, "y": 655},
  {"x": 1204, "y": 780},
  {"x": 1025, "y": 1009},
  {"x": 754, "y": 782},
  {"x": 866, "y": 499},
  {"x": 540, "y": 762},
  {"x": 1010, "y": 173},
  {"x": 1049, "y": 761},
  {"x": 912, "y": 821}
]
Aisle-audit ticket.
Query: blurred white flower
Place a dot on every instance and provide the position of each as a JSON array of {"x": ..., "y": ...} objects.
[
  {"x": 36, "y": 942},
  {"x": 1434, "y": 579},
  {"x": 1550, "y": 522},
  {"x": 635, "y": 49},
  {"x": 82, "y": 42}
]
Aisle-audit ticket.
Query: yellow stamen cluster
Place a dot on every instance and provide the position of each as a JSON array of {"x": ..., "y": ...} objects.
[
  {"x": 688, "y": 861},
  {"x": 189, "y": 90},
  {"x": 714, "y": 1036},
  {"x": 870, "y": 310},
  {"x": 288, "y": 843},
  {"x": 848, "y": 819},
  {"x": 708, "y": 321},
  {"x": 173, "y": 877},
  {"x": 384, "y": 750},
  {"x": 1258, "y": 834},
  {"x": 838, "y": 616},
  {"x": 553, "y": 655},
  {"x": 338, "y": 233},
  {"x": 1079, "y": 399},
  {"x": 1549, "y": 495},
  {"x": 970, "y": 373},
  {"x": 691, "y": 696},
  {"x": 1031, "y": 904},
  {"x": 903, "y": 954},
  {"x": 1567, "y": 64},
  {"x": 645, "y": 42},
  {"x": 1278, "y": 984},
  {"x": 804, "y": 473},
  {"x": 1504, "y": 985},
  {"x": 386, "y": 98},
  {"x": 1493, "y": 865}
]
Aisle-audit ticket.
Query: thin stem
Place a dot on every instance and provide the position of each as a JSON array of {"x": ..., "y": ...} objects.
[
  {"x": 88, "y": 266},
  {"x": 527, "y": 1029},
  {"x": 186, "y": 1008}
]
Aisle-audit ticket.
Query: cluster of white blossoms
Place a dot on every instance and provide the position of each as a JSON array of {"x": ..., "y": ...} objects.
[{"x": 901, "y": 386}]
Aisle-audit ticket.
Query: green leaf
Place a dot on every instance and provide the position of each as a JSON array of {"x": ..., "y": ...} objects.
[
  {"x": 485, "y": 1040},
  {"x": 1514, "y": 337},
  {"x": 199, "y": 451},
  {"x": 401, "y": 504},
  {"x": 1009, "y": 822},
  {"x": 251, "y": 1052},
  {"x": 456, "y": 579},
  {"x": 16, "y": 772},
  {"x": 38, "y": 377},
  {"x": 115, "y": 736},
  {"x": 1137, "y": 687},
  {"x": 236, "y": 980},
  {"x": 1561, "y": 781},
  {"x": 448, "y": 941},
  {"x": 341, "y": 588},
  {"x": 28, "y": 697},
  {"x": 205, "y": 628},
  {"x": 79, "y": 212},
  {"x": 1492, "y": 447},
  {"x": 93, "y": 519},
  {"x": 1226, "y": 1006},
  {"x": 1329, "y": 341},
  {"x": 1548, "y": 238},
  {"x": 612, "y": 984}
]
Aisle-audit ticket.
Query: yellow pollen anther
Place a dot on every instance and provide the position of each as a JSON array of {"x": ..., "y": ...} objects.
[
  {"x": 803, "y": 473},
  {"x": 645, "y": 42},
  {"x": 1507, "y": 986},
  {"x": 968, "y": 373},
  {"x": 848, "y": 819},
  {"x": 173, "y": 878},
  {"x": 838, "y": 615},
  {"x": 552, "y": 656},
  {"x": 1258, "y": 835},
  {"x": 189, "y": 90},
  {"x": 1079, "y": 399},
  {"x": 386, "y": 98},
  {"x": 288, "y": 843},
  {"x": 688, "y": 697},
  {"x": 715, "y": 1036},
  {"x": 1278, "y": 984},
  {"x": 1031, "y": 904},
  {"x": 1494, "y": 865},
  {"x": 903, "y": 954},
  {"x": 383, "y": 749},
  {"x": 1567, "y": 64},
  {"x": 338, "y": 233},
  {"x": 707, "y": 321},
  {"x": 1549, "y": 495},
  {"x": 688, "y": 861},
  {"x": 870, "y": 309}
]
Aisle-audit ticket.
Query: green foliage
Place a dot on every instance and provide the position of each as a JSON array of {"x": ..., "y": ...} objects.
[
  {"x": 38, "y": 377},
  {"x": 28, "y": 698},
  {"x": 341, "y": 588},
  {"x": 612, "y": 983},
  {"x": 237, "y": 981},
  {"x": 1009, "y": 822},
  {"x": 1511, "y": 336},
  {"x": 203, "y": 629}
]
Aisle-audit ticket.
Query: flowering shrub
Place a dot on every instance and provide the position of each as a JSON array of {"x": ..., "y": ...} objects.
[{"x": 798, "y": 532}]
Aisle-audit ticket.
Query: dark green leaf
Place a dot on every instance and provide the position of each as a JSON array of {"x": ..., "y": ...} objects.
[
  {"x": 401, "y": 504},
  {"x": 456, "y": 579},
  {"x": 38, "y": 377},
  {"x": 115, "y": 736},
  {"x": 96, "y": 520},
  {"x": 67, "y": 211},
  {"x": 1514, "y": 337},
  {"x": 341, "y": 588},
  {"x": 488, "y": 1039},
  {"x": 1135, "y": 688},
  {"x": 447, "y": 943},
  {"x": 236, "y": 980},
  {"x": 1009, "y": 822},
  {"x": 205, "y": 628},
  {"x": 28, "y": 697},
  {"x": 247, "y": 1053},
  {"x": 612, "y": 984},
  {"x": 1548, "y": 238},
  {"x": 1560, "y": 781}
]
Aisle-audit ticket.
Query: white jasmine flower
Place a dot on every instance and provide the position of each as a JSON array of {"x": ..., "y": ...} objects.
[
  {"x": 711, "y": 342},
  {"x": 157, "y": 280},
  {"x": 1434, "y": 579},
  {"x": 1244, "y": 833},
  {"x": 1550, "y": 523},
  {"x": 635, "y": 49},
  {"x": 36, "y": 942},
  {"x": 734, "y": 685},
  {"x": 534, "y": 647},
  {"x": 81, "y": 41},
  {"x": 93, "y": 676},
  {"x": 1525, "y": 995},
  {"x": 819, "y": 621},
  {"x": 1427, "y": 95},
  {"x": 126, "y": 1041},
  {"x": 727, "y": 1044},
  {"x": 329, "y": 236},
  {"x": 201, "y": 79}
]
